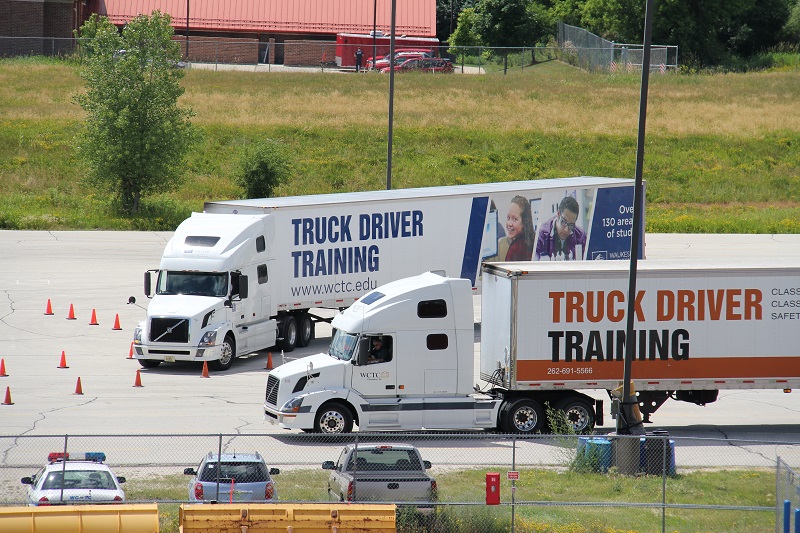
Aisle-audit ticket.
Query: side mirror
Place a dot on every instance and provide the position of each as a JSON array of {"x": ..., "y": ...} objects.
[
  {"x": 121, "y": 479},
  {"x": 426, "y": 464},
  {"x": 189, "y": 472},
  {"x": 274, "y": 471},
  {"x": 26, "y": 481},
  {"x": 328, "y": 465},
  {"x": 147, "y": 283}
]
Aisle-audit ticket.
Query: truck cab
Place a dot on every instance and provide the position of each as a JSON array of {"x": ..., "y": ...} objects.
[
  {"x": 211, "y": 295},
  {"x": 424, "y": 380}
]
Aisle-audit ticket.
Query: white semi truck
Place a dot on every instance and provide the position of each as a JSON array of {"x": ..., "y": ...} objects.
[
  {"x": 548, "y": 331},
  {"x": 244, "y": 275}
]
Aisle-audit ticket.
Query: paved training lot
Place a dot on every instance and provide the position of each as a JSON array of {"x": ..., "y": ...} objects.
[{"x": 100, "y": 270}]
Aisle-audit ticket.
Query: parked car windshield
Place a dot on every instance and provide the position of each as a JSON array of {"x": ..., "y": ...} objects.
[
  {"x": 79, "y": 479},
  {"x": 197, "y": 283},
  {"x": 343, "y": 345},
  {"x": 242, "y": 472}
]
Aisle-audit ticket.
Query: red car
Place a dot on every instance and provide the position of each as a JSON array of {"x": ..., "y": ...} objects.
[
  {"x": 402, "y": 54},
  {"x": 423, "y": 64}
]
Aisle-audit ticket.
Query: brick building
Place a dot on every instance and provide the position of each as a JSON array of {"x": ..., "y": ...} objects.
[{"x": 244, "y": 31}]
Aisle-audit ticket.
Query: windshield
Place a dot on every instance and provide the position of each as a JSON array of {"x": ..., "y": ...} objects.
[
  {"x": 343, "y": 345},
  {"x": 198, "y": 283}
]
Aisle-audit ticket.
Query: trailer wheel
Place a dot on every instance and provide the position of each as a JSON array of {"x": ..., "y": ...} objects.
[
  {"x": 149, "y": 363},
  {"x": 522, "y": 416},
  {"x": 289, "y": 330},
  {"x": 305, "y": 330},
  {"x": 226, "y": 357},
  {"x": 579, "y": 414},
  {"x": 333, "y": 419}
]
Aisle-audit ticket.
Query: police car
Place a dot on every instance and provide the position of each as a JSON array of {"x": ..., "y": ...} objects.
[{"x": 71, "y": 481}]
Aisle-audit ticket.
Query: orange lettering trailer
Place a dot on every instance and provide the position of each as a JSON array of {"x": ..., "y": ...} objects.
[{"x": 550, "y": 328}]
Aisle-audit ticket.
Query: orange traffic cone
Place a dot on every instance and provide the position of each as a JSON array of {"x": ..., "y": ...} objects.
[
  {"x": 93, "y": 321},
  {"x": 63, "y": 363},
  {"x": 138, "y": 382},
  {"x": 71, "y": 315},
  {"x": 8, "y": 401},
  {"x": 205, "y": 369},
  {"x": 269, "y": 361},
  {"x": 116, "y": 323},
  {"x": 3, "y": 368},
  {"x": 78, "y": 388},
  {"x": 130, "y": 353},
  {"x": 49, "y": 310}
]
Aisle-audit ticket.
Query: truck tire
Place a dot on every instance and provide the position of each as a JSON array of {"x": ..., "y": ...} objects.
[
  {"x": 288, "y": 334},
  {"x": 522, "y": 416},
  {"x": 579, "y": 414},
  {"x": 226, "y": 357},
  {"x": 305, "y": 330},
  {"x": 149, "y": 363},
  {"x": 333, "y": 419}
]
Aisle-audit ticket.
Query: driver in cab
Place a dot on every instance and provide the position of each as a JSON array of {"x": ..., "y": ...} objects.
[{"x": 378, "y": 353}]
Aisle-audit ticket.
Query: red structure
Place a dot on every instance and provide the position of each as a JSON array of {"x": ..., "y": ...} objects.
[
  {"x": 348, "y": 43},
  {"x": 280, "y": 17}
]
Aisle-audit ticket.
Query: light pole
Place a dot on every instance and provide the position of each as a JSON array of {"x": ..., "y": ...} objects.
[
  {"x": 187, "y": 30},
  {"x": 374, "y": 32}
]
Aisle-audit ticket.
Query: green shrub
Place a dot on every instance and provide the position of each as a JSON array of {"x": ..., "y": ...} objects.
[{"x": 262, "y": 169}]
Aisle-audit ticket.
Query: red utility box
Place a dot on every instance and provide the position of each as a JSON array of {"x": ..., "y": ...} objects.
[{"x": 492, "y": 488}]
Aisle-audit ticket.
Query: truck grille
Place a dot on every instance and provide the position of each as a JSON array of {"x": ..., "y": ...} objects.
[
  {"x": 272, "y": 390},
  {"x": 169, "y": 330}
]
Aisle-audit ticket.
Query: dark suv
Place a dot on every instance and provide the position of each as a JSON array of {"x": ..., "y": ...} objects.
[{"x": 232, "y": 477}]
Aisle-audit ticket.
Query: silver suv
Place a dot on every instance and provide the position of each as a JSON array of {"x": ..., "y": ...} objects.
[{"x": 232, "y": 477}]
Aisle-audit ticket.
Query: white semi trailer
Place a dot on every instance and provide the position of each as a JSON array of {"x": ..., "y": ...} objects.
[
  {"x": 548, "y": 331},
  {"x": 243, "y": 275}
]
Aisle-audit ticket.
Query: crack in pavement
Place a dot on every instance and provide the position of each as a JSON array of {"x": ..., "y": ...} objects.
[{"x": 42, "y": 416}]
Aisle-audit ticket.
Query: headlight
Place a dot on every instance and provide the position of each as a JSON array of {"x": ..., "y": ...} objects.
[
  {"x": 137, "y": 335},
  {"x": 209, "y": 339},
  {"x": 292, "y": 406}
]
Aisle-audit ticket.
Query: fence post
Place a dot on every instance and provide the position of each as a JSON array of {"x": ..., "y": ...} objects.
[
  {"x": 664, "y": 447},
  {"x": 219, "y": 465},
  {"x": 355, "y": 456},
  {"x": 63, "y": 468},
  {"x": 513, "y": 482}
]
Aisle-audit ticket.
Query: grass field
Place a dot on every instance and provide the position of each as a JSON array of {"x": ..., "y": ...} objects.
[
  {"x": 753, "y": 488},
  {"x": 722, "y": 153}
]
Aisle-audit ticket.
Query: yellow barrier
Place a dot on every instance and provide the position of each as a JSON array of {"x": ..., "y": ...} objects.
[
  {"x": 80, "y": 519},
  {"x": 287, "y": 518}
]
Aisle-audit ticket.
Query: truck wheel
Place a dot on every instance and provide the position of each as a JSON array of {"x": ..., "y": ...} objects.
[
  {"x": 523, "y": 416},
  {"x": 305, "y": 330},
  {"x": 289, "y": 331},
  {"x": 226, "y": 357},
  {"x": 333, "y": 419},
  {"x": 579, "y": 414},
  {"x": 149, "y": 363}
]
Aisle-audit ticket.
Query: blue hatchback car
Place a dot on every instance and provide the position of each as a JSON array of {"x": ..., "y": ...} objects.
[{"x": 232, "y": 477}]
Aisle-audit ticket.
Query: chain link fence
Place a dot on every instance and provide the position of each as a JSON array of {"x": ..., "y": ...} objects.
[
  {"x": 631, "y": 483},
  {"x": 589, "y": 52},
  {"x": 787, "y": 498}
]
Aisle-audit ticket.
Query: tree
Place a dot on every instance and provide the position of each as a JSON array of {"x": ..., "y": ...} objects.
[
  {"x": 135, "y": 139},
  {"x": 511, "y": 23},
  {"x": 262, "y": 168},
  {"x": 464, "y": 37},
  {"x": 447, "y": 13}
]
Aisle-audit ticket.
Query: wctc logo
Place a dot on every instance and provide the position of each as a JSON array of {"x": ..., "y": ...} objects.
[
  {"x": 600, "y": 255},
  {"x": 374, "y": 375}
]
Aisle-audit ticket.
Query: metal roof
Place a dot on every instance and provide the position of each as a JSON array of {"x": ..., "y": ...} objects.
[{"x": 328, "y": 17}]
